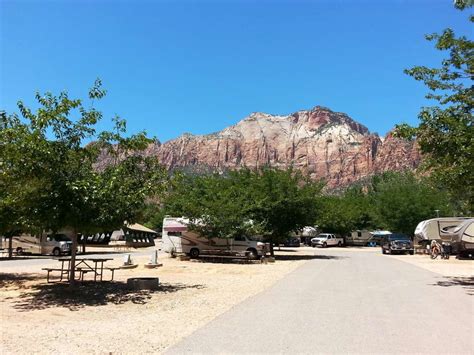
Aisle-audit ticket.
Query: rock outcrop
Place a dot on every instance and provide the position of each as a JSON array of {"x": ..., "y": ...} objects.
[{"x": 325, "y": 144}]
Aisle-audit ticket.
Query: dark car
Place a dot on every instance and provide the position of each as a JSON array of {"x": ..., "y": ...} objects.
[
  {"x": 292, "y": 242},
  {"x": 396, "y": 243}
]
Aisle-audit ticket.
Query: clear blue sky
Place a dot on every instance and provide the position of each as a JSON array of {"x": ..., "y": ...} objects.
[{"x": 186, "y": 66}]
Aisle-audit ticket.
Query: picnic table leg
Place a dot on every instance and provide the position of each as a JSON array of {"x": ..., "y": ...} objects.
[
  {"x": 95, "y": 271},
  {"x": 101, "y": 270}
]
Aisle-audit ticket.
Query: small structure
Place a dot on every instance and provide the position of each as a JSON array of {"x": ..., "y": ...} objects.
[
  {"x": 128, "y": 262},
  {"x": 135, "y": 235},
  {"x": 153, "y": 263}
]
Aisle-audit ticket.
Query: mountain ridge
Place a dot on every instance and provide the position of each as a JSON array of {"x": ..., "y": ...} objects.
[{"x": 320, "y": 142}]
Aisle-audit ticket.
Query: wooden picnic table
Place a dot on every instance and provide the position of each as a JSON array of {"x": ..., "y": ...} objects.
[{"x": 83, "y": 266}]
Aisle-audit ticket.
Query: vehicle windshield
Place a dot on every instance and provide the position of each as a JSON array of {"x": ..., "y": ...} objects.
[
  {"x": 61, "y": 238},
  {"x": 255, "y": 238},
  {"x": 322, "y": 236},
  {"x": 398, "y": 237}
]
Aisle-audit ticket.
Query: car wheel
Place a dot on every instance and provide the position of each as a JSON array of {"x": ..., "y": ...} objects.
[
  {"x": 194, "y": 253},
  {"x": 313, "y": 245},
  {"x": 412, "y": 253},
  {"x": 253, "y": 255},
  {"x": 389, "y": 251},
  {"x": 339, "y": 244},
  {"x": 383, "y": 251},
  {"x": 325, "y": 245},
  {"x": 19, "y": 251},
  {"x": 56, "y": 252}
]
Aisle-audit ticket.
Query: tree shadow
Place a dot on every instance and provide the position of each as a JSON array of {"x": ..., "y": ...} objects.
[
  {"x": 466, "y": 283},
  {"x": 309, "y": 257},
  {"x": 89, "y": 293},
  {"x": 17, "y": 280}
]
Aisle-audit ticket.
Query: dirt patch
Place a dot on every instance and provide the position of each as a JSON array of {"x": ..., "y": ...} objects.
[
  {"x": 109, "y": 318},
  {"x": 449, "y": 268}
]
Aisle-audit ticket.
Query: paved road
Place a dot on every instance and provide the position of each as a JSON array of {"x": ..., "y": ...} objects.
[{"x": 347, "y": 302}]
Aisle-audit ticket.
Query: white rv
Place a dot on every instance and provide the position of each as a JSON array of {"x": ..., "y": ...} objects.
[
  {"x": 438, "y": 228},
  {"x": 55, "y": 244},
  {"x": 178, "y": 239}
]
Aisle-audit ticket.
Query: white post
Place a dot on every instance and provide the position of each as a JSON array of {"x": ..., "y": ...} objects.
[{"x": 154, "y": 257}]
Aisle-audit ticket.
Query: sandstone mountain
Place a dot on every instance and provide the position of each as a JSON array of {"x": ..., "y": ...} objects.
[{"x": 323, "y": 143}]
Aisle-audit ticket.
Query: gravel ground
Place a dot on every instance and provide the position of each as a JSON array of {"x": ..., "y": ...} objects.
[{"x": 37, "y": 317}]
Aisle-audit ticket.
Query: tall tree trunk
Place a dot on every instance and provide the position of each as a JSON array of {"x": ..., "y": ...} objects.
[
  {"x": 10, "y": 247},
  {"x": 72, "y": 273},
  {"x": 272, "y": 252}
]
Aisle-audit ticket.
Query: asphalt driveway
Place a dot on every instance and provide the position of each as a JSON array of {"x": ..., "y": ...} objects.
[{"x": 345, "y": 301}]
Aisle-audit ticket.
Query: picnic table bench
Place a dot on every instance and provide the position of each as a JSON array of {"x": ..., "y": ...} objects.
[
  {"x": 226, "y": 256},
  {"x": 83, "y": 266}
]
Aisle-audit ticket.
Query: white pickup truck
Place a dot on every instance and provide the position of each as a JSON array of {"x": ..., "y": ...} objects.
[{"x": 325, "y": 240}]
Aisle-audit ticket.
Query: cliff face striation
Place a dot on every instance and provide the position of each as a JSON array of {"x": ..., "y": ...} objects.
[{"x": 320, "y": 142}]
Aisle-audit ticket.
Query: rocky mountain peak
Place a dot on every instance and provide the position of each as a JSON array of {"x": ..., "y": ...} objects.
[{"x": 322, "y": 143}]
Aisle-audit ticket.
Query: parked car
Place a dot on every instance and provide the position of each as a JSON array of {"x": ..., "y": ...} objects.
[
  {"x": 292, "y": 242},
  {"x": 326, "y": 239},
  {"x": 396, "y": 243}
]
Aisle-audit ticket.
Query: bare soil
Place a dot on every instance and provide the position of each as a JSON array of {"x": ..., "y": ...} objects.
[{"x": 37, "y": 317}]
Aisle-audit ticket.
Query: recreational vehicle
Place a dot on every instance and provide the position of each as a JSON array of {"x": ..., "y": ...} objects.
[
  {"x": 55, "y": 244},
  {"x": 461, "y": 237},
  {"x": 177, "y": 238},
  {"x": 359, "y": 237},
  {"x": 438, "y": 228}
]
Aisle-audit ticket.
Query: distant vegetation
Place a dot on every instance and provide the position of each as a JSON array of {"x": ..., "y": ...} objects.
[
  {"x": 446, "y": 133},
  {"x": 274, "y": 203}
]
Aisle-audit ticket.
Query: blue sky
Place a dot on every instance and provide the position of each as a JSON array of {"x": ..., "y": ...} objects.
[{"x": 198, "y": 66}]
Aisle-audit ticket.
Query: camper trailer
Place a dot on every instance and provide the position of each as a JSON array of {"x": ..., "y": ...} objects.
[
  {"x": 461, "y": 237},
  {"x": 45, "y": 244},
  {"x": 177, "y": 238},
  {"x": 465, "y": 237},
  {"x": 438, "y": 228},
  {"x": 359, "y": 238}
]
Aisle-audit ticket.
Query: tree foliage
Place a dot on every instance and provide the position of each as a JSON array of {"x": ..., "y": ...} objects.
[
  {"x": 401, "y": 200},
  {"x": 393, "y": 201},
  {"x": 267, "y": 202},
  {"x": 48, "y": 176},
  {"x": 445, "y": 133}
]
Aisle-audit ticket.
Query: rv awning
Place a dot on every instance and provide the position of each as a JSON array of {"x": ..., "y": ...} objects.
[
  {"x": 140, "y": 228},
  {"x": 174, "y": 226}
]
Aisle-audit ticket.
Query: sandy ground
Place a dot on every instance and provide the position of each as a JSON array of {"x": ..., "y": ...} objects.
[
  {"x": 449, "y": 268},
  {"x": 37, "y": 317}
]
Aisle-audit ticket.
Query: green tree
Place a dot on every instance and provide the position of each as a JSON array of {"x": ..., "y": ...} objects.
[
  {"x": 347, "y": 212},
  {"x": 267, "y": 202},
  {"x": 402, "y": 200},
  {"x": 282, "y": 201},
  {"x": 49, "y": 178},
  {"x": 215, "y": 204},
  {"x": 445, "y": 133}
]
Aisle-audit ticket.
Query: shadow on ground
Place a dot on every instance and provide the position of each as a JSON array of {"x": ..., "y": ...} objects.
[
  {"x": 17, "y": 280},
  {"x": 466, "y": 283},
  {"x": 308, "y": 257},
  {"x": 44, "y": 296}
]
